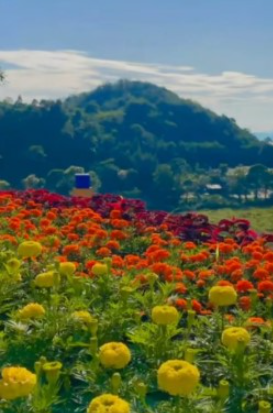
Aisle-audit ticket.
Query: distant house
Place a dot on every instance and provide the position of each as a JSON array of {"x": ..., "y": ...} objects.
[{"x": 214, "y": 188}]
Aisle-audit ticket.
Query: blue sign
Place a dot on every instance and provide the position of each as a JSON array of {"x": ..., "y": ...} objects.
[{"x": 82, "y": 181}]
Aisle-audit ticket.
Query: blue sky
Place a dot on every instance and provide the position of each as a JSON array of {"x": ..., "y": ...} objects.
[{"x": 217, "y": 52}]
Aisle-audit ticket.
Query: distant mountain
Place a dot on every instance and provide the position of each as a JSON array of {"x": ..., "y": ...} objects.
[{"x": 264, "y": 135}]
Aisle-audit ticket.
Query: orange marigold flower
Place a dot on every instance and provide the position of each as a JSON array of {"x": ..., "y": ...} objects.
[
  {"x": 117, "y": 261},
  {"x": 71, "y": 249},
  {"x": 103, "y": 252},
  {"x": 119, "y": 223},
  {"x": 245, "y": 303},
  {"x": 261, "y": 274},
  {"x": 268, "y": 256},
  {"x": 189, "y": 274},
  {"x": 44, "y": 222},
  {"x": 204, "y": 274},
  {"x": 159, "y": 255},
  {"x": 152, "y": 248},
  {"x": 255, "y": 322},
  {"x": 89, "y": 264},
  {"x": 115, "y": 214},
  {"x": 225, "y": 248},
  {"x": 236, "y": 275},
  {"x": 265, "y": 286},
  {"x": 51, "y": 215},
  {"x": 189, "y": 245},
  {"x": 140, "y": 279},
  {"x": 181, "y": 303},
  {"x": 73, "y": 237},
  {"x": 244, "y": 286},
  {"x": 101, "y": 234},
  {"x": 184, "y": 258},
  {"x": 269, "y": 267},
  {"x": 113, "y": 245},
  {"x": 118, "y": 235},
  {"x": 200, "y": 283},
  {"x": 196, "y": 306},
  {"x": 198, "y": 257},
  {"x": 180, "y": 288},
  {"x": 131, "y": 259},
  {"x": 161, "y": 268},
  {"x": 252, "y": 264},
  {"x": 257, "y": 255}
]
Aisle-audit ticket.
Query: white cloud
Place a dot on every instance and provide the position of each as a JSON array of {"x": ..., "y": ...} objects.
[{"x": 56, "y": 74}]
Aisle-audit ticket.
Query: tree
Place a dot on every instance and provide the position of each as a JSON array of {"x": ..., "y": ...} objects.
[
  {"x": 34, "y": 182},
  {"x": 4, "y": 184},
  {"x": 259, "y": 178}
]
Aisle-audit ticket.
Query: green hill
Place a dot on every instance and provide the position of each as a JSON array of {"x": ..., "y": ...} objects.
[{"x": 136, "y": 138}]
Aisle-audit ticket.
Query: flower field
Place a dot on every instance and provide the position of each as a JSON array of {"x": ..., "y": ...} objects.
[{"x": 109, "y": 308}]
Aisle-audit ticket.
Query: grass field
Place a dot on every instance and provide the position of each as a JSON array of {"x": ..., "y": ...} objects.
[{"x": 261, "y": 218}]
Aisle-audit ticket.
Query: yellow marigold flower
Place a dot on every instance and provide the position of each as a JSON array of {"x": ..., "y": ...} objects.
[
  {"x": 177, "y": 377},
  {"x": 222, "y": 295},
  {"x": 114, "y": 355},
  {"x": 165, "y": 314},
  {"x": 108, "y": 403},
  {"x": 83, "y": 316},
  {"x": 28, "y": 249},
  {"x": 45, "y": 279},
  {"x": 16, "y": 382},
  {"x": 99, "y": 269},
  {"x": 232, "y": 336},
  {"x": 67, "y": 268},
  {"x": 32, "y": 310}
]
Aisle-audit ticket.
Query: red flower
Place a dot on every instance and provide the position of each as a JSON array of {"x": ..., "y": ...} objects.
[
  {"x": 265, "y": 286},
  {"x": 244, "y": 286},
  {"x": 181, "y": 303},
  {"x": 196, "y": 306}
]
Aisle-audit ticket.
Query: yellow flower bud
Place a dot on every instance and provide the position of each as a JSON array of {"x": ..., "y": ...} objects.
[
  {"x": 125, "y": 292},
  {"x": 165, "y": 314},
  {"x": 93, "y": 345},
  {"x": 264, "y": 407},
  {"x": 52, "y": 371},
  {"x": 234, "y": 337},
  {"x": 222, "y": 295},
  {"x": 223, "y": 389},
  {"x": 152, "y": 277},
  {"x": 108, "y": 403},
  {"x": 115, "y": 382},
  {"x": 67, "y": 268},
  {"x": 190, "y": 354},
  {"x": 46, "y": 279},
  {"x": 141, "y": 389},
  {"x": 114, "y": 355},
  {"x": 93, "y": 325},
  {"x": 13, "y": 265},
  {"x": 29, "y": 249},
  {"x": 177, "y": 377},
  {"x": 83, "y": 317},
  {"x": 100, "y": 269}
]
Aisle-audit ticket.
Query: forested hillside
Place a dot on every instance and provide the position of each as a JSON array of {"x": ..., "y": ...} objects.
[{"x": 136, "y": 139}]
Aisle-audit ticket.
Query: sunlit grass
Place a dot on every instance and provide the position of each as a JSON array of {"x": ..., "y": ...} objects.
[{"x": 261, "y": 218}]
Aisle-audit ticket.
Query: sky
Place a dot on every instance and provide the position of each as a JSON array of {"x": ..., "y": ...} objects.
[{"x": 216, "y": 52}]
